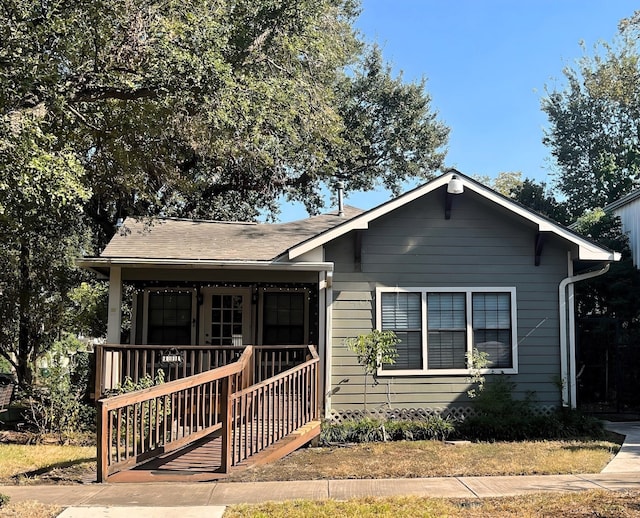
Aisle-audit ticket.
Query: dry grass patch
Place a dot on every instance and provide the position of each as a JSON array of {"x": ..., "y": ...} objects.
[
  {"x": 29, "y": 460},
  {"x": 571, "y": 505},
  {"x": 29, "y": 510},
  {"x": 436, "y": 459}
]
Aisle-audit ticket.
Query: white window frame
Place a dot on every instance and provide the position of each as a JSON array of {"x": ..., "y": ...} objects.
[
  {"x": 469, "y": 291},
  {"x": 145, "y": 313}
]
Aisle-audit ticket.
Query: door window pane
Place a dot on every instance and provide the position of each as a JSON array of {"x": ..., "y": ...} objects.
[{"x": 226, "y": 318}]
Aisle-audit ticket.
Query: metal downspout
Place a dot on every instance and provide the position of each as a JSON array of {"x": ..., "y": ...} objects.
[{"x": 568, "y": 350}]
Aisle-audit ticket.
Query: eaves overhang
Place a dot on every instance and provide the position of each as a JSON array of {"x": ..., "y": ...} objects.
[{"x": 102, "y": 265}]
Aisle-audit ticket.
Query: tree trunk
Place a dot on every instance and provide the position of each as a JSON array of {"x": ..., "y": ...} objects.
[{"x": 24, "y": 369}]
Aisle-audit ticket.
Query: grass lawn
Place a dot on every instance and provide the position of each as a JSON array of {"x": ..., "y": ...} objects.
[
  {"x": 436, "y": 459},
  {"x": 69, "y": 464},
  {"x": 583, "y": 504},
  {"x": 20, "y": 463}
]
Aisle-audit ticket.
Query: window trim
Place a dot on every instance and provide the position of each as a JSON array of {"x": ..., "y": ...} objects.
[
  {"x": 145, "y": 313},
  {"x": 469, "y": 291}
]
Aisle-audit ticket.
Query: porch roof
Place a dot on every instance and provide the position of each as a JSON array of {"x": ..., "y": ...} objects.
[{"x": 201, "y": 240}]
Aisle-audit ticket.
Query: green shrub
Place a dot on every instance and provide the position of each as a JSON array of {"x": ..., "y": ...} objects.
[
  {"x": 57, "y": 404},
  {"x": 4, "y": 499},
  {"x": 368, "y": 429},
  {"x": 501, "y": 417}
]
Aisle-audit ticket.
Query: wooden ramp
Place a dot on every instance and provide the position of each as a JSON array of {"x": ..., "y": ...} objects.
[{"x": 201, "y": 461}]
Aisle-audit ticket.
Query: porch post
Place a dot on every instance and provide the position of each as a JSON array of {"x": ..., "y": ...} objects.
[
  {"x": 114, "y": 323},
  {"x": 326, "y": 320},
  {"x": 111, "y": 360}
]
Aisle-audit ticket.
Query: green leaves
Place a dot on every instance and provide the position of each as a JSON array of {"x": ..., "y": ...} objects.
[
  {"x": 594, "y": 122},
  {"x": 374, "y": 349}
]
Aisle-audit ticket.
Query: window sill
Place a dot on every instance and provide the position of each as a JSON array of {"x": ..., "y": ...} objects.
[{"x": 442, "y": 372}]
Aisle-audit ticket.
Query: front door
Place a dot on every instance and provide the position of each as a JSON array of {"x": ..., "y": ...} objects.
[{"x": 227, "y": 316}]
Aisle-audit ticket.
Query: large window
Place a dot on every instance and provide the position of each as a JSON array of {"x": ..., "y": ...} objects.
[{"x": 439, "y": 327}]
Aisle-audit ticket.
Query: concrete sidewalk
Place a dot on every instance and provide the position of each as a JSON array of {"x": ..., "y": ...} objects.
[{"x": 210, "y": 499}]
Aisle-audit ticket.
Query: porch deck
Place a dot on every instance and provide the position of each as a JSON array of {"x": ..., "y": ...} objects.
[{"x": 255, "y": 409}]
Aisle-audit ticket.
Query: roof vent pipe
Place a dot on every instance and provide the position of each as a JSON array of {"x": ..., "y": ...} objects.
[{"x": 340, "y": 187}]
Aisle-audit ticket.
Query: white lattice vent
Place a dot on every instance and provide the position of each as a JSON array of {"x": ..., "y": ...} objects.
[{"x": 457, "y": 413}]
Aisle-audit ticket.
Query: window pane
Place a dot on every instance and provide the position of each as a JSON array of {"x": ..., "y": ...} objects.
[
  {"x": 409, "y": 351},
  {"x": 446, "y": 311},
  {"x": 492, "y": 327},
  {"x": 446, "y": 350},
  {"x": 446, "y": 339},
  {"x": 169, "y": 318},
  {"x": 283, "y": 318},
  {"x": 401, "y": 311}
]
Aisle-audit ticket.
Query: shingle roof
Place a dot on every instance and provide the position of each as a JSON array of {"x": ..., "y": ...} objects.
[{"x": 170, "y": 238}]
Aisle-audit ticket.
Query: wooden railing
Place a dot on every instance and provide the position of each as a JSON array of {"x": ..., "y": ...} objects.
[
  {"x": 117, "y": 362},
  {"x": 273, "y": 408},
  {"x": 140, "y": 425},
  {"x": 261, "y": 397}
]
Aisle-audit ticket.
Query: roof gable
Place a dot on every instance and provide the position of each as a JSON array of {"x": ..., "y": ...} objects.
[{"x": 587, "y": 250}]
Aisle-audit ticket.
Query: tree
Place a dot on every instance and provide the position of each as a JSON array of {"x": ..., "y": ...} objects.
[
  {"x": 214, "y": 109},
  {"x": 41, "y": 197},
  {"x": 390, "y": 133},
  {"x": 373, "y": 350},
  {"x": 613, "y": 295},
  {"x": 538, "y": 197},
  {"x": 505, "y": 183},
  {"x": 595, "y": 127}
]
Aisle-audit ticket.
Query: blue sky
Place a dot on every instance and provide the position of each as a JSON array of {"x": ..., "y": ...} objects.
[{"x": 487, "y": 63}]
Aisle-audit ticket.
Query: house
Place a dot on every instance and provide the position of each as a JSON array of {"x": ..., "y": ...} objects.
[
  {"x": 449, "y": 266},
  {"x": 627, "y": 209}
]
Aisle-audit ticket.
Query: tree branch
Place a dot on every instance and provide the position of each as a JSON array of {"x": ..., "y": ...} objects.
[{"x": 100, "y": 93}]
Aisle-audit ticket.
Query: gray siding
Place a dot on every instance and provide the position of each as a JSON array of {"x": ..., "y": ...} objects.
[{"x": 415, "y": 246}]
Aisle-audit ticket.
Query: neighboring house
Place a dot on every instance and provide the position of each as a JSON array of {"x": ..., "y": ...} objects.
[
  {"x": 627, "y": 209},
  {"x": 449, "y": 266}
]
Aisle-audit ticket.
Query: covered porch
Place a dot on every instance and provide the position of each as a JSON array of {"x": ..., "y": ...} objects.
[{"x": 208, "y": 369}]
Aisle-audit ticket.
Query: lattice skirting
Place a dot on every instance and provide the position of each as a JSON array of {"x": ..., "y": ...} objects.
[{"x": 457, "y": 413}]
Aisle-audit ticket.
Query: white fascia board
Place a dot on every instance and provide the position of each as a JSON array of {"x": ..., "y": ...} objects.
[
  {"x": 586, "y": 249},
  {"x": 132, "y": 262}
]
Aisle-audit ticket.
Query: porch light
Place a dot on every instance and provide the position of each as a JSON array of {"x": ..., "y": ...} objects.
[{"x": 455, "y": 185}]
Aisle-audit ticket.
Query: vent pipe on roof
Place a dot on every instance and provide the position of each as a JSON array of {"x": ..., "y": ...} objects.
[{"x": 340, "y": 187}]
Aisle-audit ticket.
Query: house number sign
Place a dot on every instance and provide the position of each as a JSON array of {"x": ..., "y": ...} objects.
[{"x": 172, "y": 357}]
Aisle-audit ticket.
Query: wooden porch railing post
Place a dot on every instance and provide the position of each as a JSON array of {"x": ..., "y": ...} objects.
[
  {"x": 104, "y": 442},
  {"x": 100, "y": 367},
  {"x": 226, "y": 412}
]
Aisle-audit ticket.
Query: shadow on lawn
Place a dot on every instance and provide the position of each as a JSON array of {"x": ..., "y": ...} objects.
[{"x": 70, "y": 471}]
